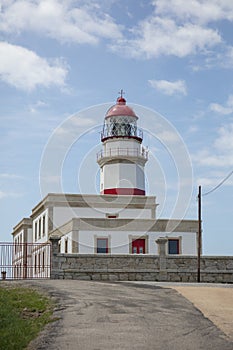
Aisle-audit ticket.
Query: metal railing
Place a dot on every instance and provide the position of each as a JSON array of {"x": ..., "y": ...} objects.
[
  {"x": 123, "y": 152},
  {"x": 24, "y": 260}
]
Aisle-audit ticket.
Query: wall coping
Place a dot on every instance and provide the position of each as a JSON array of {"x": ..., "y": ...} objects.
[
  {"x": 135, "y": 256},
  {"x": 72, "y": 255},
  {"x": 98, "y": 255}
]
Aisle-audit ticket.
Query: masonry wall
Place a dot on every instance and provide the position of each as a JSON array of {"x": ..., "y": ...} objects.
[{"x": 140, "y": 267}]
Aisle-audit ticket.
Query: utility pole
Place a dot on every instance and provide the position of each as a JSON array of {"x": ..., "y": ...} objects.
[{"x": 199, "y": 238}]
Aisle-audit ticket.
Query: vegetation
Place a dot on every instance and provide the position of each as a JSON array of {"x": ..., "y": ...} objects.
[{"x": 23, "y": 314}]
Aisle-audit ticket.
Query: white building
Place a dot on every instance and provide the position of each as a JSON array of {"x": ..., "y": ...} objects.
[{"x": 122, "y": 219}]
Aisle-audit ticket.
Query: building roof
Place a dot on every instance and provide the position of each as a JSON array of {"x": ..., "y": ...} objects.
[
  {"x": 127, "y": 225},
  {"x": 120, "y": 109},
  {"x": 93, "y": 201},
  {"x": 25, "y": 223}
]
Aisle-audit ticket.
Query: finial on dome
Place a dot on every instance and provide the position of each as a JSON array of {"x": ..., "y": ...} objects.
[
  {"x": 121, "y": 93},
  {"x": 121, "y": 100}
]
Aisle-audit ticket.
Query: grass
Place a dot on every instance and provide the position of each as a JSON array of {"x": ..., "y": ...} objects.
[{"x": 23, "y": 314}]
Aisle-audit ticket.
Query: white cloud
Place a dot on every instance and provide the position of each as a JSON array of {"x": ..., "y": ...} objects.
[
  {"x": 221, "y": 153},
  {"x": 193, "y": 129},
  {"x": 177, "y": 27},
  {"x": 225, "y": 110},
  {"x": 58, "y": 19},
  {"x": 229, "y": 54},
  {"x": 4, "y": 194},
  {"x": 225, "y": 140},
  {"x": 168, "y": 137},
  {"x": 196, "y": 10},
  {"x": 213, "y": 180},
  {"x": 215, "y": 107},
  {"x": 156, "y": 36},
  {"x": 74, "y": 124},
  {"x": 36, "y": 106},
  {"x": 54, "y": 179},
  {"x": 169, "y": 87},
  {"x": 25, "y": 70},
  {"x": 208, "y": 158},
  {"x": 83, "y": 121},
  {"x": 10, "y": 176}
]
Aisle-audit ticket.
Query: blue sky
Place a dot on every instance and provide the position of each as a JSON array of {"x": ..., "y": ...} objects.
[{"x": 60, "y": 58}]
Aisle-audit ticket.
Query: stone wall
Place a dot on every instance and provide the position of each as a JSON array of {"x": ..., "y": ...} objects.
[{"x": 140, "y": 267}]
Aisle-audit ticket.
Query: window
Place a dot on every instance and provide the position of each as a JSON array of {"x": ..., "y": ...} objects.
[
  {"x": 102, "y": 245},
  {"x": 39, "y": 229},
  {"x": 112, "y": 216},
  {"x": 43, "y": 226},
  {"x": 35, "y": 231},
  {"x": 173, "y": 246},
  {"x": 66, "y": 245}
]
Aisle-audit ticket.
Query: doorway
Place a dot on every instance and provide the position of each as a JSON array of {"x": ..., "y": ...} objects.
[{"x": 138, "y": 246}]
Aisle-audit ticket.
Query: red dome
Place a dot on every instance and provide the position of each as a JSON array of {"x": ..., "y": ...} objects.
[{"x": 120, "y": 109}]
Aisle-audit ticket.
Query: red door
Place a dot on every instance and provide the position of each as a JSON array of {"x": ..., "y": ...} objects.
[{"x": 138, "y": 246}]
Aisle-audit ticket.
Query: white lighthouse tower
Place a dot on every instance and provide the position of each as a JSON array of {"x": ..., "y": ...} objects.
[{"x": 122, "y": 158}]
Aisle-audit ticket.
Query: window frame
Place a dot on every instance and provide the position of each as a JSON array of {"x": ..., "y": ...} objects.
[
  {"x": 98, "y": 239},
  {"x": 178, "y": 246}
]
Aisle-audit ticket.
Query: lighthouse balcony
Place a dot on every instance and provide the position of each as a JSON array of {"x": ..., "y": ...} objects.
[{"x": 122, "y": 153}]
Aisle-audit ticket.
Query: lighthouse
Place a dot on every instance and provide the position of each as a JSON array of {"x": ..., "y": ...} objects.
[{"x": 123, "y": 157}]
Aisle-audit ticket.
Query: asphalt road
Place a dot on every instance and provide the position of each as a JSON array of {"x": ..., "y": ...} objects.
[{"x": 97, "y": 315}]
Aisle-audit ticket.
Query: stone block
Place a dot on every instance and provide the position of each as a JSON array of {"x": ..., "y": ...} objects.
[
  {"x": 123, "y": 277},
  {"x": 82, "y": 277},
  {"x": 174, "y": 278},
  {"x": 138, "y": 277},
  {"x": 163, "y": 276},
  {"x": 132, "y": 276},
  {"x": 228, "y": 278},
  {"x": 149, "y": 277},
  {"x": 229, "y": 266},
  {"x": 184, "y": 278},
  {"x": 104, "y": 277},
  {"x": 95, "y": 277},
  {"x": 207, "y": 278},
  {"x": 112, "y": 277},
  {"x": 193, "y": 277}
]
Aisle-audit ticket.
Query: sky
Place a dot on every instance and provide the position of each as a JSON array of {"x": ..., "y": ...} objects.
[{"x": 62, "y": 64}]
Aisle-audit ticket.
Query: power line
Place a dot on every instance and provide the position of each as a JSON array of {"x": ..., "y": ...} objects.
[{"x": 220, "y": 184}]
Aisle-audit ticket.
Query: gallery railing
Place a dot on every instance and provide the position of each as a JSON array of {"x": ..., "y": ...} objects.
[{"x": 123, "y": 152}]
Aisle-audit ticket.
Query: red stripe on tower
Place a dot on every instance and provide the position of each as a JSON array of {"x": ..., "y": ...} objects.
[{"x": 124, "y": 191}]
